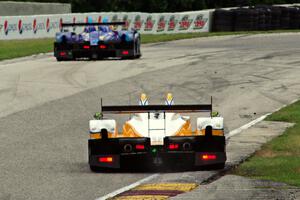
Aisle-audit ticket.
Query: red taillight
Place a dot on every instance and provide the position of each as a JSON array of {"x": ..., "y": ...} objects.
[
  {"x": 102, "y": 46},
  {"x": 106, "y": 159},
  {"x": 86, "y": 46},
  {"x": 140, "y": 147},
  {"x": 125, "y": 52},
  {"x": 209, "y": 157},
  {"x": 62, "y": 53},
  {"x": 173, "y": 146}
]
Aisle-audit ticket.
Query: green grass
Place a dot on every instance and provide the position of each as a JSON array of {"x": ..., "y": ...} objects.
[
  {"x": 17, "y": 48},
  {"x": 278, "y": 160}
]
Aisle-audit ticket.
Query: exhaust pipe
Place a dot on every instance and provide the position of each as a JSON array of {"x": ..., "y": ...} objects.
[
  {"x": 127, "y": 148},
  {"x": 187, "y": 146},
  {"x": 104, "y": 134}
]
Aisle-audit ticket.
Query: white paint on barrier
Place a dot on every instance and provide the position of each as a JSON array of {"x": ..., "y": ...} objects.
[{"x": 45, "y": 26}]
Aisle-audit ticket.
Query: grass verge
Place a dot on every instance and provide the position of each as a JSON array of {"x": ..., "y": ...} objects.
[
  {"x": 18, "y": 48},
  {"x": 278, "y": 160}
]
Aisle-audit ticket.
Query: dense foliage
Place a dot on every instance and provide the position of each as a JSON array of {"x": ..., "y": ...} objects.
[{"x": 158, "y": 5}]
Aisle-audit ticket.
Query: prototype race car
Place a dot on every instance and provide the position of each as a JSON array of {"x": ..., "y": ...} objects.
[
  {"x": 156, "y": 135},
  {"x": 97, "y": 43}
]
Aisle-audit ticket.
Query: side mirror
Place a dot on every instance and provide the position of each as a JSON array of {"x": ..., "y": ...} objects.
[
  {"x": 215, "y": 114},
  {"x": 98, "y": 115}
]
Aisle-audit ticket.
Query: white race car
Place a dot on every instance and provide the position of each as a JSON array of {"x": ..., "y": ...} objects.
[{"x": 156, "y": 135}]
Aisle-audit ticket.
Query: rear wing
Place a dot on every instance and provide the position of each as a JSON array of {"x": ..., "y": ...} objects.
[
  {"x": 93, "y": 24},
  {"x": 156, "y": 108}
]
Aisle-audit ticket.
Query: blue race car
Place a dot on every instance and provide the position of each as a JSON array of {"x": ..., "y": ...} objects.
[{"x": 97, "y": 41}]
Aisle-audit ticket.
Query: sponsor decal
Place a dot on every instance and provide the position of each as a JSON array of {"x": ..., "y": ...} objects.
[
  {"x": 200, "y": 22},
  {"x": 9, "y": 27},
  {"x": 60, "y": 24},
  {"x": 20, "y": 26},
  {"x": 149, "y": 23},
  {"x": 115, "y": 18},
  {"x": 6, "y": 27},
  {"x": 48, "y": 25},
  {"x": 127, "y": 22},
  {"x": 1, "y": 26},
  {"x": 34, "y": 26},
  {"x": 161, "y": 24},
  {"x": 37, "y": 26},
  {"x": 74, "y": 21},
  {"x": 172, "y": 23},
  {"x": 54, "y": 25},
  {"x": 185, "y": 23},
  {"x": 137, "y": 22},
  {"x": 99, "y": 19}
]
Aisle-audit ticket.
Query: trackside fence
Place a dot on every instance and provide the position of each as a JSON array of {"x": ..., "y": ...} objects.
[
  {"x": 45, "y": 26},
  {"x": 234, "y": 19}
]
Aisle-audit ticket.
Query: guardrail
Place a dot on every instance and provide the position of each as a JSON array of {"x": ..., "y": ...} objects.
[{"x": 45, "y": 26}]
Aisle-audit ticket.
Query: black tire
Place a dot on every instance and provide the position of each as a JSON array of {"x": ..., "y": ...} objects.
[
  {"x": 138, "y": 56},
  {"x": 95, "y": 169},
  {"x": 59, "y": 59},
  {"x": 218, "y": 166}
]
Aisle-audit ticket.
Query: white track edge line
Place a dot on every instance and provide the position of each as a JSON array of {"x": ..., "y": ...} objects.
[
  {"x": 248, "y": 125},
  {"x": 123, "y": 189}
]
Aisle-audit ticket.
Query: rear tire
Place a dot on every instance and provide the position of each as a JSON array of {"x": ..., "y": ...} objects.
[
  {"x": 59, "y": 59},
  {"x": 102, "y": 169},
  {"x": 94, "y": 168},
  {"x": 138, "y": 56},
  {"x": 218, "y": 166}
]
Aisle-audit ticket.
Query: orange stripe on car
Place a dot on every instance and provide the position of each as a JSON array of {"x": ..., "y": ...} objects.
[{"x": 215, "y": 132}]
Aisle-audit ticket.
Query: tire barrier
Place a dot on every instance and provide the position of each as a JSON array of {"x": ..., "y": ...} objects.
[
  {"x": 256, "y": 18},
  {"x": 223, "y": 20}
]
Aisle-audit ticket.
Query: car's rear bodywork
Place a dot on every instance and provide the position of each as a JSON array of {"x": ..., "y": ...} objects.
[
  {"x": 157, "y": 135},
  {"x": 97, "y": 41}
]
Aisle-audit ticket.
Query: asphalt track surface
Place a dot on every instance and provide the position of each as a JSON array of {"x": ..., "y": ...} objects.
[{"x": 45, "y": 105}]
